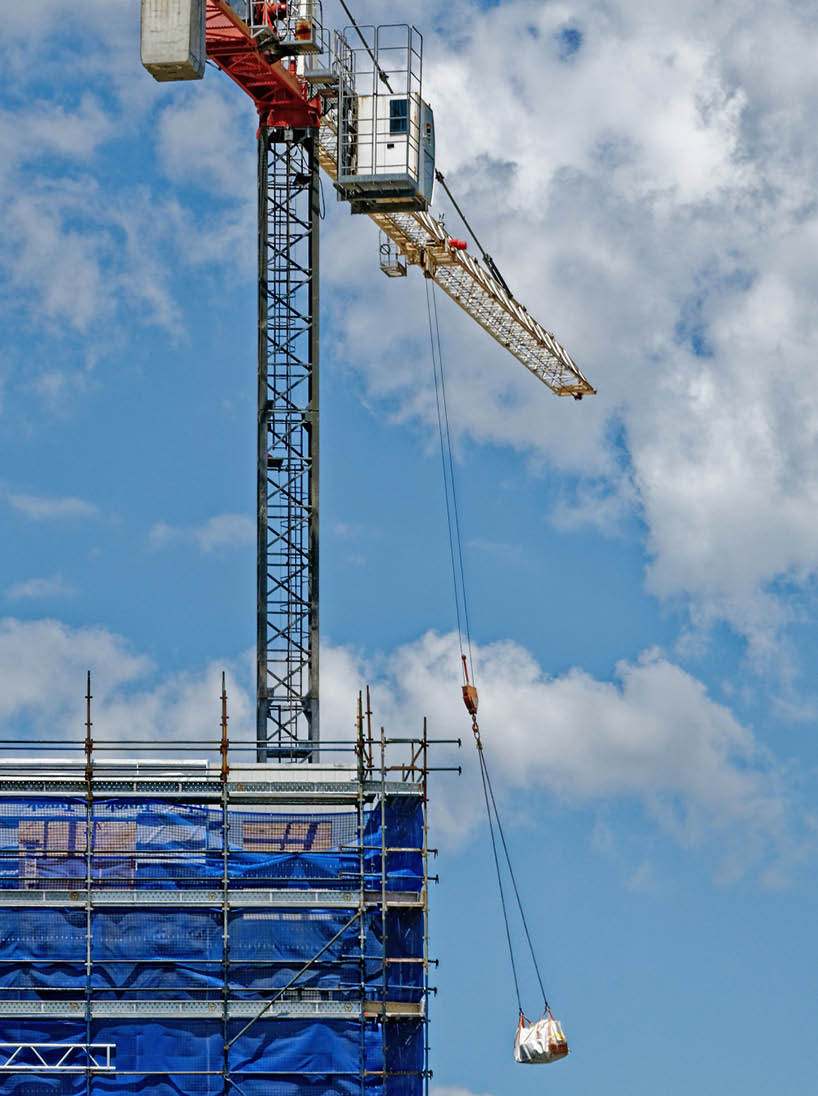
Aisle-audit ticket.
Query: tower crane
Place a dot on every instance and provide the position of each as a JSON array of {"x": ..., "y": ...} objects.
[{"x": 350, "y": 104}]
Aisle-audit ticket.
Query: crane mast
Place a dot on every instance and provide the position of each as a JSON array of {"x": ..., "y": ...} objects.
[
  {"x": 288, "y": 346},
  {"x": 322, "y": 103},
  {"x": 287, "y": 603}
]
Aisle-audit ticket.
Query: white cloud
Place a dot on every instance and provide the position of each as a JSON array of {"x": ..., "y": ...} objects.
[
  {"x": 128, "y": 702},
  {"x": 35, "y": 588},
  {"x": 202, "y": 140},
  {"x": 45, "y": 508},
  {"x": 184, "y": 708},
  {"x": 601, "y": 504},
  {"x": 79, "y": 254},
  {"x": 652, "y": 737},
  {"x": 45, "y": 651},
  {"x": 226, "y": 531},
  {"x": 219, "y": 532},
  {"x": 51, "y": 129},
  {"x": 660, "y": 219}
]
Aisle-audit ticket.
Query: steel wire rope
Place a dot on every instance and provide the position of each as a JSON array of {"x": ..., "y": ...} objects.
[
  {"x": 449, "y": 485},
  {"x": 490, "y": 263},
  {"x": 381, "y": 74},
  {"x": 487, "y": 783},
  {"x": 500, "y": 880},
  {"x": 463, "y": 627}
]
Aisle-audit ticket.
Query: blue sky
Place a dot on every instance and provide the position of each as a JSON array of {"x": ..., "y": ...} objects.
[{"x": 641, "y": 565}]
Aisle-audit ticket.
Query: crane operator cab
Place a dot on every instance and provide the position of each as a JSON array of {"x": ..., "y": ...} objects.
[{"x": 386, "y": 132}]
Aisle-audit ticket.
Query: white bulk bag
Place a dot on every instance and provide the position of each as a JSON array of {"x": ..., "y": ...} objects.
[{"x": 539, "y": 1043}]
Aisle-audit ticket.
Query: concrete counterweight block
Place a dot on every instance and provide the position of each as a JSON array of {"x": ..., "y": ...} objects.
[{"x": 173, "y": 39}]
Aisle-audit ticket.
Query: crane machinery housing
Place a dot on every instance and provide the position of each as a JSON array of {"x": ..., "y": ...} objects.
[{"x": 254, "y": 921}]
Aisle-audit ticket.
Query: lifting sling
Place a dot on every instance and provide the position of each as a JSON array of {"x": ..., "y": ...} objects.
[{"x": 543, "y": 1041}]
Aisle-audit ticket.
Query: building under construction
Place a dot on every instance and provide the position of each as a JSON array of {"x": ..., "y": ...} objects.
[
  {"x": 211, "y": 927},
  {"x": 250, "y": 918}
]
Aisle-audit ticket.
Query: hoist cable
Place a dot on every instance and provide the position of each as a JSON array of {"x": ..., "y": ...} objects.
[
  {"x": 381, "y": 74},
  {"x": 487, "y": 259},
  {"x": 456, "y": 508},
  {"x": 449, "y": 485},
  {"x": 463, "y": 629},
  {"x": 487, "y": 783},
  {"x": 483, "y": 776},
  {"x": 445, "y": 476}
]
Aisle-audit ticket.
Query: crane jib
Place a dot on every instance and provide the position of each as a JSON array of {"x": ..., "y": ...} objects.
[{"x": 422, "y": 240}]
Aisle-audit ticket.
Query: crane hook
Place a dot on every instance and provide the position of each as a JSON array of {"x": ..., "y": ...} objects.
[
  {"x": 470, "y": 699},
  {"x": 469, "y": 691}
]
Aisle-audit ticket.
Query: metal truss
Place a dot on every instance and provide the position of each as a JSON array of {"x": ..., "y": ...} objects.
[
  {"x": 302, "y": 792},
  {"x": 198, "y": 1010},
  {"x": 233, "y": 899},
  {"x": 287, "y": 642},
  {"x": 56, "y": 1057},
  {"x": 421, "y": 239},
  {"x": 424, "y": 241}
]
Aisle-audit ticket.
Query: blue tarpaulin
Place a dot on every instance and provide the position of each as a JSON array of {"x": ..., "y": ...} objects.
[{"x": 167, "y": 953}]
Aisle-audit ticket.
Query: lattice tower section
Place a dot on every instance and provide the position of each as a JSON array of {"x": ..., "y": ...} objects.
[{"x": 287, "y": 641}]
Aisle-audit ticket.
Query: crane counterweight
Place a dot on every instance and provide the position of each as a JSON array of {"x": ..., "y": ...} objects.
[{"x": 173, "y": 45}]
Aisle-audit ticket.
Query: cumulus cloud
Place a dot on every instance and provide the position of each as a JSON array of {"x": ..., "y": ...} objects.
[
  {"x": 129, "y": 701},
  {"x": 44, "y": 664},
  {"x": 81, "y": 255},
  {"x": 201, "y": 141},
  {"x": 51, "y": 508},
  {"x": 659, "y": 217},
  {"x": 652, "y": 737},
  {"x": 36, "y": 588},
  {"x": 218, "y": 532},
  {"x": 184, "y": 708}
]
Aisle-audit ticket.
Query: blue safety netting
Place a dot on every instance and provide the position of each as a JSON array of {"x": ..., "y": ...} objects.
[
  {"x": 156, "y": 845},
  {"x": 169, "y": 953},
  {"x": 186, "y": 1057}
]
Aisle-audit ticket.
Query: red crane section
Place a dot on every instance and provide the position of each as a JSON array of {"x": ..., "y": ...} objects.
[{"x": 280, "y": 97}]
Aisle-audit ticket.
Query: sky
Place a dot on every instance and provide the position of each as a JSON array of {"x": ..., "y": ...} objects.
[{"x": 641, "y": 565}]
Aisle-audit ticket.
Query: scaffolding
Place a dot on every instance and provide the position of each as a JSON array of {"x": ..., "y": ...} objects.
[{"x": 213, "y": 927}]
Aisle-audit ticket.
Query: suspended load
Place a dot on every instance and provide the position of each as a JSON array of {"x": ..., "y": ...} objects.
[
  {"x": 539, "y": 1043},
  {"x": 544, "y": 1041}
]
